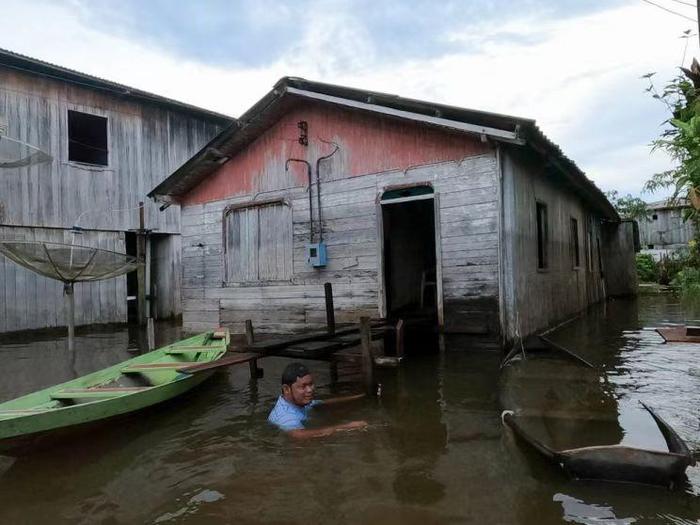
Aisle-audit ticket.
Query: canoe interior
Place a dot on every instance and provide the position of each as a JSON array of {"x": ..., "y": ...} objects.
[
  {"x": 615, "y": 462},
  {"x": 131, "y": 385}
]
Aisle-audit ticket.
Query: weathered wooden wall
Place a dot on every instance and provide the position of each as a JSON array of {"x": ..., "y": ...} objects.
[
  {"x": 668, "y": 230},
  {"x": 533, "y": 298},
  {"x": 464, "y": 178},
  {"x": 28, "y": 300},
  {"x": 166, "y": 255},
  {"x": 468, "y": 224},
  {"x": 619, "y": 262},
  {"x": 146, "y": 143}
]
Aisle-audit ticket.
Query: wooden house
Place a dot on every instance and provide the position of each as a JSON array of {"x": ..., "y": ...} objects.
[
  {"x": 408, "y": 208},
  {"x": 665, "y": 231},
  {"x": 110, "y": 144}
]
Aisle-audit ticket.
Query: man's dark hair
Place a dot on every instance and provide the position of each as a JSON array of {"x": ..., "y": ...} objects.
[{"x": 292, "y": 372}]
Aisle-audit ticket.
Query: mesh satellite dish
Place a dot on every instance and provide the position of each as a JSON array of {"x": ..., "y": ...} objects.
[
  {"x": 69, "y": 264},
  {"x": 15, "y": 153}
]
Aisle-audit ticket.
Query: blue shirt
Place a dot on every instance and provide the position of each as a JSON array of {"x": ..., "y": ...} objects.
[{"x": 288, "y": 416}]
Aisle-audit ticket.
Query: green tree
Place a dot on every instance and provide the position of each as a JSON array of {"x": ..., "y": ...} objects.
[
  {"x": 681, "y": 139},
  {"x": 628, "y": 207}
]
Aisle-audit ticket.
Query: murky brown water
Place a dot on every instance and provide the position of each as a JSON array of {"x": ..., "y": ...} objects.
[{"x": 436, "y": 451}]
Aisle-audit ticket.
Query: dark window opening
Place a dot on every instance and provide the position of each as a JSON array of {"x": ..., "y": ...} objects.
[
  {"x": 87, "y": 138},
  {"x": 655, "y": 217},
  {"x": 650, "y": 246},
  {"x": 542, "y": 235},
  {"x": 575, "y": 254}
]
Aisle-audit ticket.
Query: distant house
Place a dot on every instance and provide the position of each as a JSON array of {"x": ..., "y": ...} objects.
[
  {"x": 408, "y": 208},
  {"x": 665, "y": 231},
  {"x": 110, "y": 144}
]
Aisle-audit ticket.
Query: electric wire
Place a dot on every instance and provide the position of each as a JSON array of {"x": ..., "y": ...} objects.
[
  {"x": 684, "y": 3},
  {"x": 670, "y": 10}
]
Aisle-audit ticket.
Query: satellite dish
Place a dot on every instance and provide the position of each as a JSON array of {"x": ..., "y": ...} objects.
[
  {"x": 16, "y": 153},
  {"x": 69, "y": 264}
]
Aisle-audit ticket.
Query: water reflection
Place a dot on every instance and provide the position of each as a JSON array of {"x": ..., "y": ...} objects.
[{"x": 436, "y": 451}]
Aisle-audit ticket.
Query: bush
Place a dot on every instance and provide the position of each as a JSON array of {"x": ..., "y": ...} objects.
[
  {"x": 647, "y": 269},
  {"x": 668, "y": 267},
  {"x": 688, "y": 282}
]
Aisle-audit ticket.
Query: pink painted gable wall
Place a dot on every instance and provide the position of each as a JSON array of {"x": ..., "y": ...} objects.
[{"x": 368, "y": 144}]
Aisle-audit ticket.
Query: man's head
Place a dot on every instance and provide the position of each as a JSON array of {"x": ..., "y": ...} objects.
[{"x": 297, "y": 384}]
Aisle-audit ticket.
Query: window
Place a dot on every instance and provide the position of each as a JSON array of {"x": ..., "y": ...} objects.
[
  {"x": 542, "y": 235},
  {"x": 87, "y": 138},
  {"x": 258, "y": 242},
  {"x": 575, "y": 252},
  {"x": 655, "y": 217}
]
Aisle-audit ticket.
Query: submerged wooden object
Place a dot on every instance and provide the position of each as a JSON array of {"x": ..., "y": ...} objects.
[
  {"x": 616, "y": 462},
  {"x": 126, "y": 387},
  {"x": 539, "y": 344},
  {"x": 680, "y": 334}
]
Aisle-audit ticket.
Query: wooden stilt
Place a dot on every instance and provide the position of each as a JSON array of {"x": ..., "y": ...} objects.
[
  {"x": 330, "y": 312},
  {"x": 367, "y": 359},
  {"x": 141, "y": 270},
  {"x": 151, "y": 333},
  {"x": 249, "y": 334},
  {"x": 400, "y": 332},
  {"x": 255, "y": 372}
]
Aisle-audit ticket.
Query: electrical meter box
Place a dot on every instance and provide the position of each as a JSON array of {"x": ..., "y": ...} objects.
[{"x": 316, "y": 254}]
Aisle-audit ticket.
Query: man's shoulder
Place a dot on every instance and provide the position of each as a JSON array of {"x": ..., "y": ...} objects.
[{"x": 285, "y": 416}]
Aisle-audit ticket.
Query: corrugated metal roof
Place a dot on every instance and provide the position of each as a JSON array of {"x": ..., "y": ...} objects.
[
  {"x": 16, "y": 61},
  {"x": 288, "y": 90}
]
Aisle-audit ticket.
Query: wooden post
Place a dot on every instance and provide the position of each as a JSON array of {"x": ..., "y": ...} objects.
[
  {"x": 69, "y": 291},
  {"x": 141, "y": 271},
  {"x": 330, "y": 312},
  {"x": 151, "y": 333},
  {"x": 400, "y": 332},
  {"x": 255, "y": 372},
  {"x": 367, "y": 359},
  {"x": 249, "y": 334}
]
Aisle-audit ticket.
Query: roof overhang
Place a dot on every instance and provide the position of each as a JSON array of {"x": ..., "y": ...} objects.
[{"x": 289, "y": 91}]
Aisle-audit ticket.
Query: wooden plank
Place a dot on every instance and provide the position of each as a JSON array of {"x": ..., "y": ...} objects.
[
  {"x": 231, "y": 360},
  {"x": 156, "y": 366}
]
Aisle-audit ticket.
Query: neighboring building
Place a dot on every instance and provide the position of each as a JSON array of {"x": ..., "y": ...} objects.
[
  {"x": 665, "y": 231},
  {"x": 110, "y": 144},
  {"x": 473, "y": 217}
]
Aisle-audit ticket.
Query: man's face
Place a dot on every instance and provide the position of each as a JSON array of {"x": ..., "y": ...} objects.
[{"x": 301, "y": 392}]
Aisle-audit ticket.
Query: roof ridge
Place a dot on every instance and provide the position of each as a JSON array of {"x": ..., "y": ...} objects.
[{"x": 101, "y": 83}]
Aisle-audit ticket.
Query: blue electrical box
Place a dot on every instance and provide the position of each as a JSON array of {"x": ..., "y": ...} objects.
[{"x": 316, "y": 254}]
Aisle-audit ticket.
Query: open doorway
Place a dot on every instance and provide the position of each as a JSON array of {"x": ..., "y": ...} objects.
[
  {"x": 132, "y": 283},
  {"x": 410, "y": 263}
]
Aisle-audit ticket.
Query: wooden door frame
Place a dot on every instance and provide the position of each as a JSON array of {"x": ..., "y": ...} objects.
[{"x": 438, "y": 247}]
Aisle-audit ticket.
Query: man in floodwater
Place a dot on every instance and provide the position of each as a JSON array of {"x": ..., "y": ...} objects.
[{"x": 297, "y": 399}]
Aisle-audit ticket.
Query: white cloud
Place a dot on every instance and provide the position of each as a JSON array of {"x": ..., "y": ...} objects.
[{"x": 563, "y": 73}]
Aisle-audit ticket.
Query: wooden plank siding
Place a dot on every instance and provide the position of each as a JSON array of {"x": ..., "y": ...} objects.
[
  {"x": 350, "y": 231},
  {"x": 146, "y": 143},
  {"x": 538, "y": 298}
]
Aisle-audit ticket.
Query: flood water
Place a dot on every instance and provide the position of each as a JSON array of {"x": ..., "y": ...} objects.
[{"x": 435, "y": 451}]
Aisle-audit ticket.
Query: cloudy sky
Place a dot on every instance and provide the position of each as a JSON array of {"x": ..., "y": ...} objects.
[{"x": 574, "y": 65}]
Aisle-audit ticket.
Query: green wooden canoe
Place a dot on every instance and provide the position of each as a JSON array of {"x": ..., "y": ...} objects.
[{"x": 126, "y": 387}]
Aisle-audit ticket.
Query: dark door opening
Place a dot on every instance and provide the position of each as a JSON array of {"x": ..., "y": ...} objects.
[
  {"x": 409, "y": 259},
  {"x": 132, "y": 283}
]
